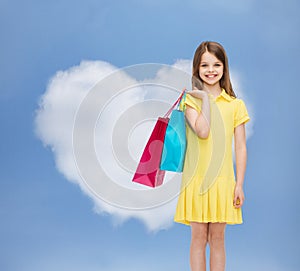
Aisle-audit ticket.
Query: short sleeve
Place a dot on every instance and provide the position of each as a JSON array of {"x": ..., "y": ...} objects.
[
  {"x": 191, "y": 101},
  {"x": 240, "y": 113}
]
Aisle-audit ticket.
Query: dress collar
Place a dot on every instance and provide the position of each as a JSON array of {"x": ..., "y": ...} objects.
[{"x": 224, "y": 95}]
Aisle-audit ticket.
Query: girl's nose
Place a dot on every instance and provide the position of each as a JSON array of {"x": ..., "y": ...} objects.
[{"x": 211, "y": 68}]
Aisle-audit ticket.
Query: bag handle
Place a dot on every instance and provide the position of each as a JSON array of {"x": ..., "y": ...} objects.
[
  {"x": 177, "y": 102},
  {"x": 182, "y": 98}
]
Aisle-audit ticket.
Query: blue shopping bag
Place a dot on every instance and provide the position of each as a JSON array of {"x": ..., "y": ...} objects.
[{"x": 174, "y": 148}]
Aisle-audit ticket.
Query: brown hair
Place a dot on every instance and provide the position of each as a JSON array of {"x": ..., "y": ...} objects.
[{"x": 218, "y": 51}]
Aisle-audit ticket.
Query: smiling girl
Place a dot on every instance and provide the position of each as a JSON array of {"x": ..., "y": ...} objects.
[{"x": 211, "y": 194}]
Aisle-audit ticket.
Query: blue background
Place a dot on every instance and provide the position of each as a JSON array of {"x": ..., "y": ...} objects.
[{"x": 48, "y": 224}]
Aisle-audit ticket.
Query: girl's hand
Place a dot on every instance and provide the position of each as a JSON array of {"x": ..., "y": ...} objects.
[
  {"x": 200, "y": 94},
  {"x": 239, "y": 197}
]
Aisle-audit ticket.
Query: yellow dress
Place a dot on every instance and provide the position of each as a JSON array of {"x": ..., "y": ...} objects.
[{"x": 208, "y": 180}]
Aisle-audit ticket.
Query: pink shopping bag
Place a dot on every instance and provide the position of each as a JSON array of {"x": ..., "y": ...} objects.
[{"x": 148, "y": 172}]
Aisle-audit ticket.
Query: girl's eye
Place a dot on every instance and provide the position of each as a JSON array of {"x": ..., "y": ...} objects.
[{"x": 205, "y": 65}]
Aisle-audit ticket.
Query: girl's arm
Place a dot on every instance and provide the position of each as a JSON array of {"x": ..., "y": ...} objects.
[
  {"x": 199, "y": 122},
  {"x": 240, "y": 161}
]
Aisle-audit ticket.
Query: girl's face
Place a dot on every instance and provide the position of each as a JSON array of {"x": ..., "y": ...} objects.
[{"x": 210, "y": 69}]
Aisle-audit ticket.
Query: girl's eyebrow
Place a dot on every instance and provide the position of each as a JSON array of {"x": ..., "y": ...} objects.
[{"x": 218, "y": 62}]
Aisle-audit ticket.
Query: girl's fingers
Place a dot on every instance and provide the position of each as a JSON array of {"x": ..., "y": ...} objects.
[
  {"x": 238, "y": 202},
  {"x": 238, "y": 198},
  {"x": 197, "y": 93},
  {"x": 235, "y": 201}
]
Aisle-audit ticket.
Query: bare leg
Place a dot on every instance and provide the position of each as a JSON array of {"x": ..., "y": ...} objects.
[
  {"x": 216, "y": 237},
  {"x": 199, "y": 233}
]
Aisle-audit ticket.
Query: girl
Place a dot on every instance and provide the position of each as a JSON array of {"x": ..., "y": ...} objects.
[{"x": 211, "y": 195}]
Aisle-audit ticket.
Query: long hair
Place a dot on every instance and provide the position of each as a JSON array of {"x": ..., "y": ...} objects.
[{"x": 218, "y": 51}]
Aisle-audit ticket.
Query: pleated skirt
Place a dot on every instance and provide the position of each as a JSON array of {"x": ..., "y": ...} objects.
[{"x": 214, "y": 205}]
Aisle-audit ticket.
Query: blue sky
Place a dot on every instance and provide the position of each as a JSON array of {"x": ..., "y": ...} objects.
[{"x": 48, "y": 223}]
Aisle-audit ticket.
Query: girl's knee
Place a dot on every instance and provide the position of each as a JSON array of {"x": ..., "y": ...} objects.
[
  {"x": 200, "y": 239},
  {"x": 214, "y": 239},
  {"x": 216, "y": 234},
  {"x": 199, "y": 235}
]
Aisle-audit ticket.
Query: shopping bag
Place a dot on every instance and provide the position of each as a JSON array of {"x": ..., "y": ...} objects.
[
  {"x": 175, "y": 140},
  {"x": 148, "y": 172}
]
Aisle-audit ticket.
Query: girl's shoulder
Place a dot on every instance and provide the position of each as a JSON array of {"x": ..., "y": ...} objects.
[
  {"x": 192, "y": 102},
  {"x": 240, "y": 112},
  {"x": 238, "y": 102}
]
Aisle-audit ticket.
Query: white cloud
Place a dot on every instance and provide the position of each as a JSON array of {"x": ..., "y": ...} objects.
[
  {"x": 58, "y": 106},
  {"x": 117, "y": 150}
]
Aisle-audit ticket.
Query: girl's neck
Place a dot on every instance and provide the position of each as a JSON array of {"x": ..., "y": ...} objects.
[{"x": 215, "y": 90}]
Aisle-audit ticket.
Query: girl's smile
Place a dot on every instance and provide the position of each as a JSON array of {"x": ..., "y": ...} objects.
[{"x": 211, "y": 75}]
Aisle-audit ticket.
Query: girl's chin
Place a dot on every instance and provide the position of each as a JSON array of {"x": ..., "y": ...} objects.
[{"x": 210, "y": 83}]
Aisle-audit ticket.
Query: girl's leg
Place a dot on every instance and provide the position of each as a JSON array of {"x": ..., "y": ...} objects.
[
  {"x": 216, "y": 236},
  {"x": 199, "y": 236}
]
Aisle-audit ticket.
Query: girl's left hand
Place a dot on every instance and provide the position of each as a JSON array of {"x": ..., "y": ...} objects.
[
  {"x": 197, "y": 93},
  {"x": 239, "y": 197}
]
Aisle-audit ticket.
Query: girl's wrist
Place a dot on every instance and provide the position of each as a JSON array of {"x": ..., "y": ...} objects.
[
  {"x": 239, "y": 184},
  {"x": 205, "y": 96}
]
